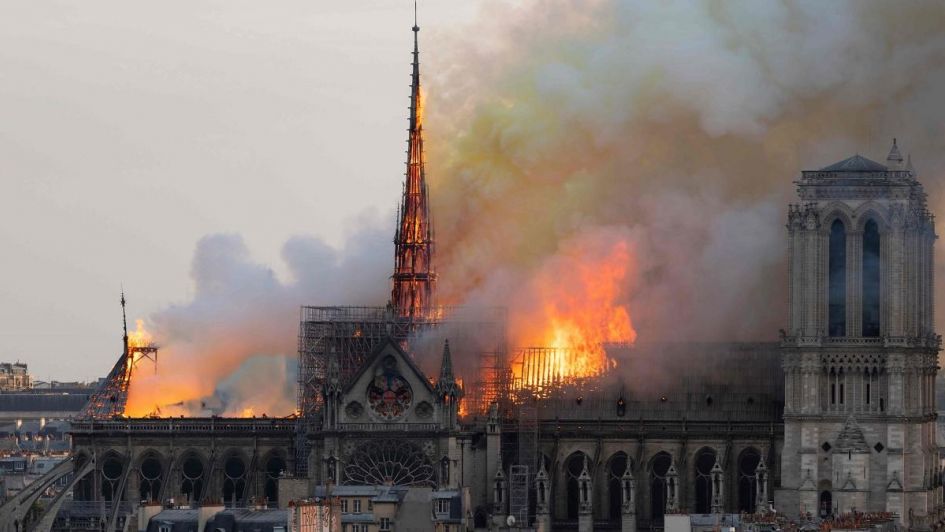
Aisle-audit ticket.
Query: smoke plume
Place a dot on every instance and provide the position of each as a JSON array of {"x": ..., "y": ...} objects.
[
  {"x": 674, "y": 129},
  {"x": 654, "y": 141},
  {"x": 232, "y": 349}
]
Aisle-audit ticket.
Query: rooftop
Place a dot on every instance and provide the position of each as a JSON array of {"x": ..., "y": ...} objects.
[{"x": 857, "y": 163}]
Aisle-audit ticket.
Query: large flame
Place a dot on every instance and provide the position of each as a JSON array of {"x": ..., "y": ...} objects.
[{"x": 581, "y": 294}]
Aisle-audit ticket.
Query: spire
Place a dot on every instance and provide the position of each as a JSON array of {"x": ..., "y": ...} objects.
[
  {"x": 446, "y": 368},
  {"x": 447, "y": 385},
  {"x": 414, "y": 278},
  {"x": 124, "y": 323},
  {"x": 909, "y": 167},
  {"x": 894, "y": 158}
]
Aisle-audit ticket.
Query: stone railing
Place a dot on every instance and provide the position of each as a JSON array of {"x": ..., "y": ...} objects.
[
  {"x": 388, "y": 427},
  {"x": 185, "y": 425}
]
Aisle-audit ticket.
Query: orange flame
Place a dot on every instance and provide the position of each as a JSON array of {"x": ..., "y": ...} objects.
[{"x": 580, "y": 311}]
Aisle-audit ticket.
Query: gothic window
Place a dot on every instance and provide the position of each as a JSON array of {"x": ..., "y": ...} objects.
[
  {"x": 234, "y": 480},
  {"x": 837, "y": 281},
  {"x": 444, "y": 471},
  {"x": 389, "y": 462},
  {"x": 275, "y": 468},
  {"x": 826, "y": 503},
  {"x": 748, "y": 462},
  {"x": 705, "y": 460},
  {"x": 191, "y": 477},
  {"x": 112, "y": 468},
  {"x": 150, "y": 472},
  {"x": 871, "y": 276},
  {"x": 573, "y": 468},
  {"x": 658, "y": 469},
  {"x": 83, "y": 489},
  {"x": 615, "y": 470}
]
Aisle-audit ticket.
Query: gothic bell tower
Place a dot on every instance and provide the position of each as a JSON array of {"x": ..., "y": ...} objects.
[{"x": 860, "y": 351}]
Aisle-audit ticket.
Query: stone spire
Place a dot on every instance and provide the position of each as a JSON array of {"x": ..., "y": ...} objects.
[
  {"x": 894, "y": 159},
  {"x": 447, "y": 384},
  {"x": 414, "y": 278}
]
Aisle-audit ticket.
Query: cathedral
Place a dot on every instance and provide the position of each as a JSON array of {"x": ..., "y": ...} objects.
[{"x": 836, "y": 418}]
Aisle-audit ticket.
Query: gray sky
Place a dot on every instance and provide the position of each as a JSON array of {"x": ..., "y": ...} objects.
[{"x": 130, "y": 130}]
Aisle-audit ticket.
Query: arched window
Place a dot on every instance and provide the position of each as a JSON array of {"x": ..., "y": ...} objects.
[
  {"x": 573, "y": 468},
  {"x": 748, "y": 462},
  {"x": 871, "y": 279},
  {"x": 837, "y": 281},
  {"x": 151, "y": 472},
  {"x": 191, "y": 482},
  {"x": 826, "y": 503},
  {"x": 275, "y": 468},
  {"x": 705, "y": 459},
  {"x": 112, "y": 469},
  {"x": 658, "y": 469},
  {"x": 83, "y": 489},
  {"x": 234, "y": 480},
  {"x": 615, "y": 470}
]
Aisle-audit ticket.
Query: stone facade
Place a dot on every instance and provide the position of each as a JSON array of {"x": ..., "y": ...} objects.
[
  {"x": 838, "y": 416},
  {"x": 860, "y": 353}
]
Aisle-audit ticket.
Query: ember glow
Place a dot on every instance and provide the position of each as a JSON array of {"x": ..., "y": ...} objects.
[{"x": 580, "y": 309}]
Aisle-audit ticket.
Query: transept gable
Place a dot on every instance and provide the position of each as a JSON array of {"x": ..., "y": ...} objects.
[{"x": 389, "y": 387}]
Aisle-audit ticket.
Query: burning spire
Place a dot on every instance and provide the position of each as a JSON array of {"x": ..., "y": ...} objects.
[
  {"x": 112, "y": 395},
  {"x": 414, "y": 279}
]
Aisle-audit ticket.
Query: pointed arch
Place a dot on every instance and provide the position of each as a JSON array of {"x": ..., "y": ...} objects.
[
  {"x": 747, "y": 464},
  {"x": 151, "y": 467},
  {"x": 274, "y": 466},
  {"x": 658, "y": 468},
  {"x": 571, "y": 470},
  {"x": 703, "y": 462},
  {"x": 871, "y": 211},
  {"x": 617, "y": 464},
  {"x": 871, "y": 279},
  {"x": 194, "y": 468},
  {"x": 837, "y": 279},
  {"x": 836, "y": 210},
  {"x": 235, "y": 472},
  {"x": 112, "y": 468}
]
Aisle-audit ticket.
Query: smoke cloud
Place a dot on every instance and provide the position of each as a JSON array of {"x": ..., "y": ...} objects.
[
  {"x": 658, "y": 139},
  {"x": 232, "y": 349},
  {"x": 674, "y": 129}
]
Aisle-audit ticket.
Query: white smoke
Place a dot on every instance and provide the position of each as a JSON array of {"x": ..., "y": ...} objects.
[
  {"x": 684, "y": 123},
  {"x": 232, "y": 349},
  {"x": 672, "y": 128}
]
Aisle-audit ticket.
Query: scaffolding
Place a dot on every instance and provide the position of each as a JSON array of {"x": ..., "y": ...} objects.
[
  {"x": 348, "y": 335},
  {"x": 519, "y": 482},
  {"x": 111, "y": 397}
]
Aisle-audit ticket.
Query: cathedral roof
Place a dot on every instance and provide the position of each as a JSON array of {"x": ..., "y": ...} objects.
[{"x": 857, "y": 163}]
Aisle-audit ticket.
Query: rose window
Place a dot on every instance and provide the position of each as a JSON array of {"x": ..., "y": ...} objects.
[
  {"x": 389, "y": 463},
  {"x": 389, "y": 394}
]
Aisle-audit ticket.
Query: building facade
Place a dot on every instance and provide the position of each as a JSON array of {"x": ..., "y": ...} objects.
[
  {"x": 861, "y": 352},
  {"x": 837, "y": 417}
]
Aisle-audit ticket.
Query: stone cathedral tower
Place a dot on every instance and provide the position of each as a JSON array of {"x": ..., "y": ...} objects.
[{"x": 860, "y": 354}]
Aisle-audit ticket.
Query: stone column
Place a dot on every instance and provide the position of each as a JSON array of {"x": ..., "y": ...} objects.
[
  {"x": 500, "y": 491},
  {"x": 672, "y": 489},
  {"x": 542, "y": 495},
  {"x": 718, "y": 485},
  {"x": 586, "y": 498},
  {"x": 854, "y": 299},
  {"x": 629, "y": 498},
  {"x": 761, "y": 489}
]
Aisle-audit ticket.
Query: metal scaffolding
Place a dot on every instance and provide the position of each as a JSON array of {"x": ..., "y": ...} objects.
[
  {"x": 110, "y": 398},
  {"x": 348, "y": 335}
]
